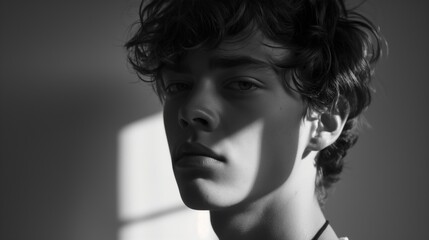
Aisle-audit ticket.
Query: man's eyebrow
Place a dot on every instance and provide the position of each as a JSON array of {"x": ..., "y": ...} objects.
[
  {"x": 237, "y": 61},
  {"x": 225, "y": 62}
]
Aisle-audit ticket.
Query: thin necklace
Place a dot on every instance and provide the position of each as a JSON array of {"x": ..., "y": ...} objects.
[{"x": 321, "y": 230}]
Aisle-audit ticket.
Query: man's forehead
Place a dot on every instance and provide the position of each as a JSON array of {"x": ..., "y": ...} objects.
[
  {"x": 255, "y": 45},
  {"x": 252, "y": 50}
]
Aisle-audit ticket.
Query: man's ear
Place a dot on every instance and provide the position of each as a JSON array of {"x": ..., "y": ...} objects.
[{"x": 327, "y": 125}]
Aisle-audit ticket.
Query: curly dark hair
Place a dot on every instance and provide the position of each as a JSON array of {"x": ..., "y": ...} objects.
[{"x": 334, "y": 51}]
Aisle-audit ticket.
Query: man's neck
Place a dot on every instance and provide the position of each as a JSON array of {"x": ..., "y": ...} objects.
[
  {"x": 267, "y": 219},
  {"x": 279, "y": 215}
]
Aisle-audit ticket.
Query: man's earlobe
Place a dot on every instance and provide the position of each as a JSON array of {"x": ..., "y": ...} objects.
[{"x": 327, "y": 127}]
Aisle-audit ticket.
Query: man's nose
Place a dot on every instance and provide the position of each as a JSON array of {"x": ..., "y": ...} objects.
[{"x": 201, "y": 111}]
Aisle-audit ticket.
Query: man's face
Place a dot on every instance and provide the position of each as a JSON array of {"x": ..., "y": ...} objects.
[{"x": 232, "y": 129}]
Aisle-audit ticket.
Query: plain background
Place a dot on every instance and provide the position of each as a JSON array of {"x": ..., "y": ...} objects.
[{"x": 66, "y": 92}]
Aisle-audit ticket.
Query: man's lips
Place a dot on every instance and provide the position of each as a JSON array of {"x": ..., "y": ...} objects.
[{"x": 196, "y": 149}]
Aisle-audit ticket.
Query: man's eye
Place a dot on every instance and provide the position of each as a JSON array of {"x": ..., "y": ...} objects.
[
  {"x": 176, "y": 88},
  {"x": 240, "y": 85}
]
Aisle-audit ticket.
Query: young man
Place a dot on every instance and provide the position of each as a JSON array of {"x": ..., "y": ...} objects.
[{"x": 261, "y": 101}]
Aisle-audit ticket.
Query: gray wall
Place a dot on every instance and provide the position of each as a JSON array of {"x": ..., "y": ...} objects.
[{"x": 66, "y": 92}]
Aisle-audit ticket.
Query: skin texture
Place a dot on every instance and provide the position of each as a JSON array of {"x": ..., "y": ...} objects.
[{"x": 260, "y": 183}]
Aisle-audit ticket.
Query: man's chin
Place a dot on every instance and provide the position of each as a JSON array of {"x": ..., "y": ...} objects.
[
  {"x": 199, "y": 200},
  {"x": 203, "y": 196}
]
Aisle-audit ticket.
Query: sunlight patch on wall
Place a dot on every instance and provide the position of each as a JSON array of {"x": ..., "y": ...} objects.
[{"x": 150, "y": 206}]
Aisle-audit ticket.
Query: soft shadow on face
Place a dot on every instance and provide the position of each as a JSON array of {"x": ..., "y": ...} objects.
[{"x": 232, "y": 101}]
